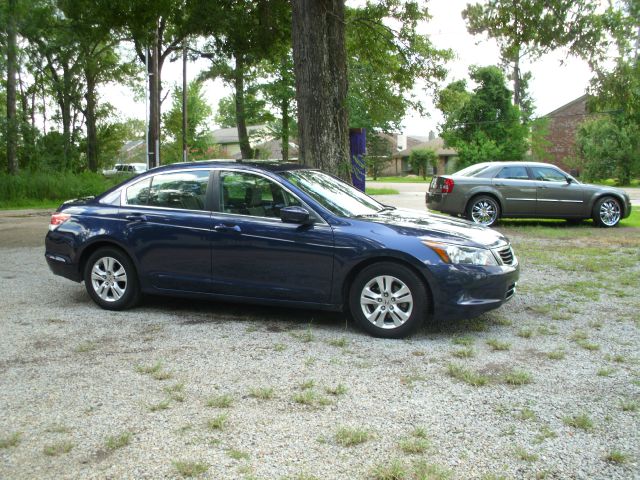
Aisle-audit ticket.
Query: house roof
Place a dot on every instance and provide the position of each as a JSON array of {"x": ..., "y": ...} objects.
[
  {"x": 581, "y": 98},
  {"x": 230, "y": 135},
  {"x": 437, "y": 144},
  {"x": 273, "y": 149}
]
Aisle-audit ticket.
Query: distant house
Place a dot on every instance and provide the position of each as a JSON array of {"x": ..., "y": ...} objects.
[
  {"x": 563, "y": 125},
  {"x": 395, "y": 143},
  {"x": 133, "y": 151},
  {"x": 446, "y": 157},
  {"x": 272, "y": 150},
  {"x": 227, "y": 138}
]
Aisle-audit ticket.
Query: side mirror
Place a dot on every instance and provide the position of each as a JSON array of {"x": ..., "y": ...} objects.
[
  {"x": 294, "y": 214},
  {"x": 569, "y": 180}
]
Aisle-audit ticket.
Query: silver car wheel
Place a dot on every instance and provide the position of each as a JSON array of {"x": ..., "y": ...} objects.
[
  {"x": 386, "y": 302},
  {"x": 484, "y": 212},
  {"x": 109, "y": 279},
  {"x": 610, "y": 212}
]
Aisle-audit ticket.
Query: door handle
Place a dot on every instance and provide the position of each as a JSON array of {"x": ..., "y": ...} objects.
[
  {"x": 227, "y": 228},
  {"x": 137, "y": 217},
  {"x": 499, "y": 184}
]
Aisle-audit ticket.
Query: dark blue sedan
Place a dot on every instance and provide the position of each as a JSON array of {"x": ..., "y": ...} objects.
[{"x": 278, "y": 234}]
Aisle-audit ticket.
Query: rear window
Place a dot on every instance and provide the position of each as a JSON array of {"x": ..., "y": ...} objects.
[{"x": 478, "y": 170}]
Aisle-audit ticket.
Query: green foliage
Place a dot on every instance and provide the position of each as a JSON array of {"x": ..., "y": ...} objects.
[
  {"x": 384, "y": 62},
  {"x": 53, "y": 186},
  {"x": 379, "y": 151},
  {"x": 609, "y": 148},
  {"x": 422, "y": 158},
  {"x": 255, "y": 111},
  {"x": 482, "y": 125}
]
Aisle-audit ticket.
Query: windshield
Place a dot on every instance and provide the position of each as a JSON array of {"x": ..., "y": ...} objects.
[{"x": 333, "y": 194}]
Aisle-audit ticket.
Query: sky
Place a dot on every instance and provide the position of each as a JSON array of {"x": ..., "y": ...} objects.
[{"x": 557, "y": 78}]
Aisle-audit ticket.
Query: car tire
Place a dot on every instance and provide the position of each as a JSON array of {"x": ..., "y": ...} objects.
[
  {"x": 483, "y": 210},
  {"x": 376, "y": 310},
  {"x": 111, "y": 279},
  {"x": 607, "y": 212}
]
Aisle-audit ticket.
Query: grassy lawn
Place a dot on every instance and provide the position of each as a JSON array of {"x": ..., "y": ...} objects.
[
  {"x": 613, "y": 182},
  {"x": 558, "y": 228},
  {"x": 410, "y": 179},
  {"x": 382, "y": 191}
]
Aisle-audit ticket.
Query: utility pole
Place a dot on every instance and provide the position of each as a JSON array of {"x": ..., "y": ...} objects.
[{"x": 184, "y": 101}]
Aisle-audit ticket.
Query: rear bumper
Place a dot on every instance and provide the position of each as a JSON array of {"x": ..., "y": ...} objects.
[
  {"x": 61, "y": 265},
  {"x": 444, "y": 203},
  {"x": 468, "y": 291}
]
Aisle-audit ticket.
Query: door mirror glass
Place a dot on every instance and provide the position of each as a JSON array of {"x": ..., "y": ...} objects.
[
  {"x": 569, "y": 180},
  {"x": 294, "y": 214}
]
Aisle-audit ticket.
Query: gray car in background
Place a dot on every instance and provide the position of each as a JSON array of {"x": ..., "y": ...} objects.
[{"x": 485, "y": 192}]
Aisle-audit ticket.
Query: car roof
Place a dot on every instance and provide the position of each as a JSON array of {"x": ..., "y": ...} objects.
[
  {"x": 516, "y": 162},
  {"x": 259, "y": 165}
]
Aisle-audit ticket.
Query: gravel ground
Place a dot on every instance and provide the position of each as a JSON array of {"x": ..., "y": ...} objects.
[{"x": 72, "y": 376}]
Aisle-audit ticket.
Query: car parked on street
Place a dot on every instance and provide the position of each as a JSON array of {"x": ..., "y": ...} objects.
[
  {"x": 125, "y": 168},
  {"x": 278, "y": 234},
  {"x": 486, "y": 192}
]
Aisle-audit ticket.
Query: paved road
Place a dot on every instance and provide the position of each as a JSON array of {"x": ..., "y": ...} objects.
[{"x": 412, "y": 194}]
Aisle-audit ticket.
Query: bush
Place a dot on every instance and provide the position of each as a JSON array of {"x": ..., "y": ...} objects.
[
  {"x": 29, "y": 187},
  {"x": 421, "y": 158}
]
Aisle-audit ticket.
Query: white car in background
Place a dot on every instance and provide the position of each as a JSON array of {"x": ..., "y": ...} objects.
[{"x": 125, "y": 169}]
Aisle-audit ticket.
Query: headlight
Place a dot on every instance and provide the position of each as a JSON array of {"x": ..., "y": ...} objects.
[{"x": 458, "y": 254}]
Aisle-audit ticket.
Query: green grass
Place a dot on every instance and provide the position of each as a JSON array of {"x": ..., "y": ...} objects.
[
  {"x": 221, "y": 401},
  {"x": 348, "y": 437},
  {"x": 59, "y": 448},
  {"x": 336, "y": 390},
  {"x": 632, "y": 220},
  {"x": 48, "y": 189},
  {"x": 118, "y": 441},
  {"x": 237, "y": 454},
  {"x": 413, "y": 445},
  {"x": 522, "y": 454},
  {"x": 411, "y": 179},
  {"x": 466, "y": 352},
  {"x": 217, "y": 423},
  {"x": 262, "y": 393},
  {"x": 497, "y": 345},
  {"x": 190, "y": 469},
  {"x": 518, "y": 377},
  {"x": 398, "y": 470},
  {"x": 381, "y": 191},
  {"x": 163, "y": 405},
  {"x": 467, "y": 376},
  {"x": 616, "y": 456},
  {"x": 12, "y": 440},
  {"x": 581, "y": 421}
]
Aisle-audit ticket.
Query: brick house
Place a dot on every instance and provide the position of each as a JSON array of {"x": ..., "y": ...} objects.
[
  {"x": 446, "y": 157},
  {"x": 563, "y": 125}
]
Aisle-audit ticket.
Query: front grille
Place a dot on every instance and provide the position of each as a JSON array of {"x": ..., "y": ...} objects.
[
  {"x": 506, "y": 255},
  {"x": 510, "y": 291}
]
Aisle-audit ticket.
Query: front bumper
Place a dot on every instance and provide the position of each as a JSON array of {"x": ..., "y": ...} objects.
[{"x": 468, "y": 291}]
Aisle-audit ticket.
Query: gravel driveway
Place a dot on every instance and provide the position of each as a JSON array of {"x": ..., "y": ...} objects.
[{"x": 548, "y": 386}]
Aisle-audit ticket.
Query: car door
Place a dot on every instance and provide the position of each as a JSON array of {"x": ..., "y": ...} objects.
[
  {"x": 518, "y": 190},
  {"x": 168, "y": 229},
  {"x": 255, "y": 254},
  {"x": 556, "y": 197}
]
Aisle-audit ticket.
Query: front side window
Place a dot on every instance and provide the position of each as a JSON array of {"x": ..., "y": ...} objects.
[
  {"x": 333, "y": 194},
  {"x": 244, "y": 193},
  {"x": 513, "y": 173},
  {"x": 548, "y": 174},
  {"x": 138, "y": 193},
  {"x": 184, "y": 190}
]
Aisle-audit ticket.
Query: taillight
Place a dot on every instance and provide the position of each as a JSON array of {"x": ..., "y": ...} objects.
[
  {"x": 58, "y": 219},
  {"x": 447, "y": 186}
]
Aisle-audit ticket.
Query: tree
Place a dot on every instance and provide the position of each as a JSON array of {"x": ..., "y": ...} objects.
[
  {"x": 531, "y": 28},
  {"x": 421, "y": 158},
  {"x": 609, "y": 150},
  {"x": 482, "y": 125},
  {"x": 385, "y": 62},
  {"x": 243, "y": 34},
  {"x": 320, "y": 67},
  {"x": 12, "y": 123},
  {"x": 255, "y": 112},
  {"x": 198, "y": 116},
  {"x": 379, "y": 151}
]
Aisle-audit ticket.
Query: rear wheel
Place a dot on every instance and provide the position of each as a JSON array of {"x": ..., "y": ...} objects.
[
  {"x": 388, "y": 300},
  {"x": 483, "y": 210},
  {"x": 111, "y": 279},
  {"x": 607, "y": 212}
]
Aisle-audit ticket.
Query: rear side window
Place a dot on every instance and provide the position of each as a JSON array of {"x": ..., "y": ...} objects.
[
  {"x": 513, "y": 173},
  {"x": 474, "y": 171},
  {"x": 138, "y": 193},
  {"x": 183, "y": 190}
]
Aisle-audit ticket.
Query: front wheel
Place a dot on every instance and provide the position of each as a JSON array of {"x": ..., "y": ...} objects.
[
  {"x": 111, "y": 280},
  {"x": 483, "y": 210},
  {"x": 607, "y": 212},
  {"x": 388, "y": 300}
]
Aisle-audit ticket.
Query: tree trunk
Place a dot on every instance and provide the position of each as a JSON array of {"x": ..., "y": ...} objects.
[
  {"x": 243, "y": 135},
  {"x": 92, "y": 133},
  {"x": 184, "y": 103},
  {"x": 319, "y": 54},
  {"x": 517, "y": 82},
  {"x": 284, "y": 110},
  {"x": 12, "y": 60},
  {"x": 65, "y": 111}
]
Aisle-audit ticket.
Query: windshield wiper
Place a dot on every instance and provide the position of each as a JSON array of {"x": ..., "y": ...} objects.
[{"x": 385, "y": 208}]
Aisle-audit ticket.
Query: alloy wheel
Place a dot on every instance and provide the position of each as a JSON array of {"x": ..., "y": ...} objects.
[
  {"x": 109, "y": 279},
  {"x": 610, "y": 212},
  {"x": 484, "y": 212},
  {"x": 386, "y": 302}
]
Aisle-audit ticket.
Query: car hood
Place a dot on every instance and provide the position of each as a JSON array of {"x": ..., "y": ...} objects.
[{"x": 438, "y": 228}]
